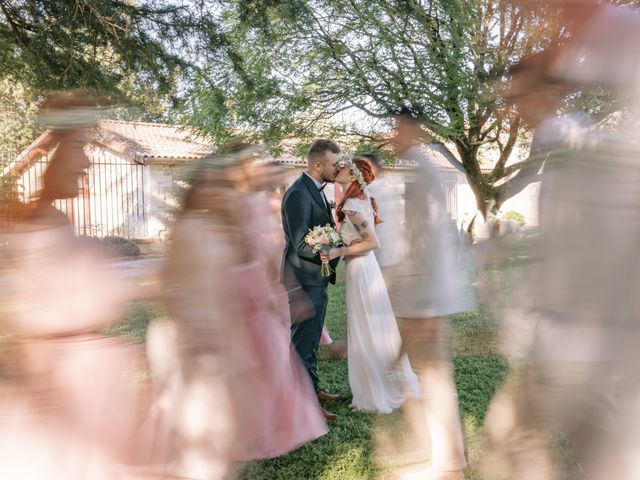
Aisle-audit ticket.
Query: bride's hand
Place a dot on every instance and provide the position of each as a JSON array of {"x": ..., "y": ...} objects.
[{"x": 333, "y": 253}]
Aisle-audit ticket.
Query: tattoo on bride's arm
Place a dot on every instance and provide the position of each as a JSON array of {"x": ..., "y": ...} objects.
[
  {"x": 364, "y": 235},
  {"x": 364, "y": 224}
]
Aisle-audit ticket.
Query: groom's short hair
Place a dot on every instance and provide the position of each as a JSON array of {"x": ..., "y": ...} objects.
[{"x": 320, "y": 147}]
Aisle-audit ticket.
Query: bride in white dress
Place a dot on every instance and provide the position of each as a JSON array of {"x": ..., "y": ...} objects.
[{"x": 379, "y": 379}]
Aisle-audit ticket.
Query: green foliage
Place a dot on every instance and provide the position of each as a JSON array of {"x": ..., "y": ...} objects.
[
  {"x": 366, "y": 146},
  {"x": 134, "y": 53},
  {"x": 117, "y": 247},
  {"x": 301, "y": 149},
  {"x": 137, "y": 317},
  {"x": 9, "y": 192},
  {"x": 17, "y": 110},
  {"x": 9, "y": 189},
  {"x": 513, "y": 215},
  {"x": 114, "y": 48},
  {"x": 120, "y": 247},
  {"x": 477, "y": 379},
  {"x": 336, "y": 67},
  {"x": 56, "y": 44}
]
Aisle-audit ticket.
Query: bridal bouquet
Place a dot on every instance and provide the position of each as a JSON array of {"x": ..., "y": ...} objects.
[{"x": 323, "y": 239}]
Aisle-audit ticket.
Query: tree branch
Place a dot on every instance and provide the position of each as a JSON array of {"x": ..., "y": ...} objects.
[
  {"x": 451, "y": 158},
  {"x": 499, "y": 168}
]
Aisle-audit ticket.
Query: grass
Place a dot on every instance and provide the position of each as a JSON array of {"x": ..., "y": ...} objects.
[
  {"x": 360, "y": 446},
  {"x": 136, "y": 320}
]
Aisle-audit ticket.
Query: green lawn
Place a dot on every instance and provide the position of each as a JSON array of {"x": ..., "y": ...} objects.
[{"x": 360, "y": 446}]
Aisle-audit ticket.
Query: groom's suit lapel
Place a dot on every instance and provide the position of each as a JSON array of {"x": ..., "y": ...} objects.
[{"x": 317, "y": 196}]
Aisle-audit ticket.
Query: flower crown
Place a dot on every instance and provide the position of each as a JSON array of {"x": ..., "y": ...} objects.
[{"x": 348, "y": 162}]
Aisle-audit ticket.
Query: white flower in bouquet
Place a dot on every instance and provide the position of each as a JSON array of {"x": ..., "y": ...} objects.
[{"x": 322, "y": 239}]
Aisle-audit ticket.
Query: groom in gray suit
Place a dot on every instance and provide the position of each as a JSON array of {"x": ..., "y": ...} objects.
[{"x": 305, "y": 206}]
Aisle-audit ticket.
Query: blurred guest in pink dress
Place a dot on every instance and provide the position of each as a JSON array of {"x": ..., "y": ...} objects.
[
  {"x": 70, "y": 401},
  {"x": 241, "y": 381}
]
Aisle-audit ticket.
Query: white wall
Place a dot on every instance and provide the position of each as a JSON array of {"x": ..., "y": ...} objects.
[
  {"x": 525, "y": 202},
  {"x": 111, "y": 197},
  {"x": 164, "y": 186}
]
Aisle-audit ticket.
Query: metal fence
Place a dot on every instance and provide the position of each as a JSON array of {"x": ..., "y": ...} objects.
[
  {"x": 450, "y": 187},
  {"x": 111, "y": 198}
]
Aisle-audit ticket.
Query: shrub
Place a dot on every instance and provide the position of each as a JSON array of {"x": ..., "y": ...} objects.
[
  {"x": 9, "y": 192},
  {"x": 120, "y": 247},
  {"x": 513, "y": 215}
]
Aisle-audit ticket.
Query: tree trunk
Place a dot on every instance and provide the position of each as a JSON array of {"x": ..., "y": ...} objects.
[{"x": 485, "y": 194}]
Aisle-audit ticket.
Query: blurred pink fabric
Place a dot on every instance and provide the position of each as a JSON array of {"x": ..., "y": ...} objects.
[
  {"x": 325, "y": 338},
  {"x": 275, "y": 402},
  {"x": 288, "y": 410},
  {"x": 72, "y": 400},
  {"x": 238, "y": 379}
]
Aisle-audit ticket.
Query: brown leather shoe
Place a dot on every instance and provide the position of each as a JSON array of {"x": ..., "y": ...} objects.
[
  {"x": 328, "y": 415},
  {"x": 329, "y": 397}
]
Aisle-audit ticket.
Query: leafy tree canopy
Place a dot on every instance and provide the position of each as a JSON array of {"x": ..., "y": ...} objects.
[
  {"x": 62, "y": 44},
  {"x": 137, "y": 53},
  {"x": 307, "y": 66},
  {"x": 18, "y": 111}
]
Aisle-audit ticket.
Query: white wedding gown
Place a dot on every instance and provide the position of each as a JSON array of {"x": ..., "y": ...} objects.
[{"x": 378, "y": 379}]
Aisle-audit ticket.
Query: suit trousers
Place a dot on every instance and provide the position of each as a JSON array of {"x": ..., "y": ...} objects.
[{"x": 306, "y": 332}]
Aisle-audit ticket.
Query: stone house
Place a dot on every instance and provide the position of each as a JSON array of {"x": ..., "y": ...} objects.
[
  {"x": 133, "y": 183},
  {"x": 138, "y": 170}
]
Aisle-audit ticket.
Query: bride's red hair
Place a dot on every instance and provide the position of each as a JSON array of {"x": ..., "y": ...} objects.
[{"x": 355, "y": 191}]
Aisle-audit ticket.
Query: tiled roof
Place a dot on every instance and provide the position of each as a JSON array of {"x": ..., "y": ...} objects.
[
  {"x": 148, "y": 141},
  {"x": 433, "y": 152},
  {"x": 40, "y": 146},
  {"x": 145, "y": 142}
]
